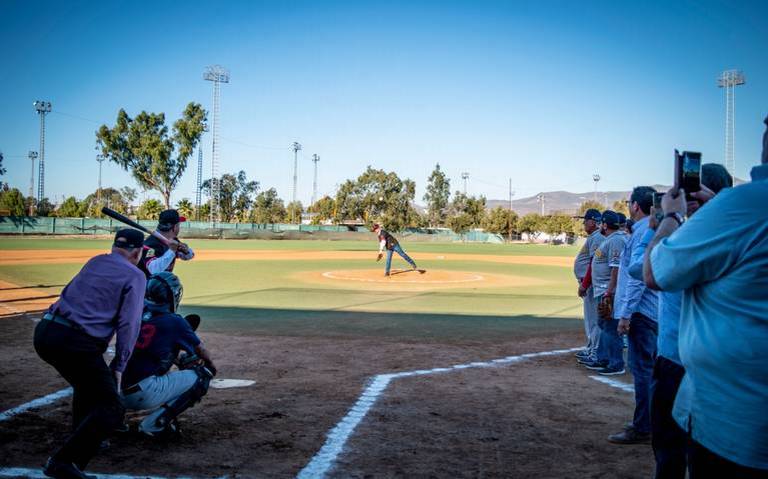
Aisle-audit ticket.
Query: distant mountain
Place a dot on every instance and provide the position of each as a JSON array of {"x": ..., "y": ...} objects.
[{"x": 563, "y": 201}]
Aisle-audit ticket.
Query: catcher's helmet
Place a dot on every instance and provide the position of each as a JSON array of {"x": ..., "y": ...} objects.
[{"x": 164, "y": 292}]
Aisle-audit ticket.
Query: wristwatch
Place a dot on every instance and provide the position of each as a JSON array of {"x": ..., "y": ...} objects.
[{"x": 675, "y": 216}]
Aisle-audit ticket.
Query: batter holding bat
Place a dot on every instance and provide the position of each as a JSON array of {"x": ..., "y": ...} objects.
[
  {"x": 390, "y": 243},
  {"x": 159, "y": 255}
]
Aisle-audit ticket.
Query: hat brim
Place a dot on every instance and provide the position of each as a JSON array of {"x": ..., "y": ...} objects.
[{"x": 182, "y": 219}]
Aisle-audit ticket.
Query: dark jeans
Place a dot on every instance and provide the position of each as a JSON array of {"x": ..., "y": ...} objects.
[
  {"x": 668, "y": 439},
  {"x": 641, "y": 356},
  {"x": 705, "y": 464},
  {"x": 609, "y": 346},
  {"x": 96, "y": 407}
]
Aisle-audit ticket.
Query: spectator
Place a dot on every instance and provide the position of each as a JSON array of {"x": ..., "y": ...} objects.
[
  {"x": 667, "y": 438},
  {"x": 592, "y": 219},
  {"x": 719, "y": 260},
  {"x": 637, "y": 312}
]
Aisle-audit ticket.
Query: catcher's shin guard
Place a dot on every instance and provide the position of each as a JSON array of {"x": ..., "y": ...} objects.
[{"x": 188, "y": 399}]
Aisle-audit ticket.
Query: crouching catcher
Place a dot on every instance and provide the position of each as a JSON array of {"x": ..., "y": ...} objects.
[{"x": 166, "y": 339}]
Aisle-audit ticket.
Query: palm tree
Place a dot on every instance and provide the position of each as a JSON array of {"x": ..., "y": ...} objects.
[{"x": 185, "y": 208}]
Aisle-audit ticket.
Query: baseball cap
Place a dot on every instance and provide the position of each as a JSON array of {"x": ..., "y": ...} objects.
[
  {"x": 170, "y": 217},
  {"x": 376, "y": 226},
  {"x": 611, "y": 219},
  {"x": 129, "y": 238},
  {"x": 592, "y": 214},
  {"x": 622, "y": 219}
]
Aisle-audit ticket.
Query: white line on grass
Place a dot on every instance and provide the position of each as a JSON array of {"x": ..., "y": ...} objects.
[
  {"x": 337, "y": 437},
  {"x": 39, "y": 402},
  {"x": 472, "y": 278},
  {"x": 614, "y": 383},
  {"x": 38, "y": 474}
]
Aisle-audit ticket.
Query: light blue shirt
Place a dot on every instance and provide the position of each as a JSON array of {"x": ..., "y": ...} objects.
[
  {"x": 669, "y": 304},
  {"x": 720, "y": 259},
  {"x": 632, "y": 296}
]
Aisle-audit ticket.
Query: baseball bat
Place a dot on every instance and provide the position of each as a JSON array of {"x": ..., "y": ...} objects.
[{"x": 124, "y": 219}]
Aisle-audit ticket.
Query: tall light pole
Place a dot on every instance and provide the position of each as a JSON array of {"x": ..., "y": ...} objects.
[
  {"x": 315, "y": 159},
  {"x": 199, "y": 183},
  {"x": 541, "y": 199},
  {"x": 509, "y": 217},
  {"x": 218, "y": 75},
  {"x": 596, "y": 179},
  {"x": 296, "y": 147},
  {"x": 42, "y": 108},
  {"x": 465, "y": 177},
  {"x": 730, "y": 79},
  {"x": 100, "y": 159},
  {"x": 32, "y": 155}
]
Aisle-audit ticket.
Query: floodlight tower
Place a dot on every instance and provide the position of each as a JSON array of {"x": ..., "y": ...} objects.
[
  {"x": 42, "y": 108},
  {"x": 509, "y": 217},
  {"x": 218, "y": 75},
  {"x": 541, "y": 199},
  {"x": 729, "y": 80},
  {"x": 465, "y": 177},
  {"x": 296, "y": 147},
  {"x": 596, "y": 179},
  {"x": 199, "y": 185},
  {"x": 32, "y": 155},
  {"x": 315, "y": 159},
  {"x": 100, "y": 159}
]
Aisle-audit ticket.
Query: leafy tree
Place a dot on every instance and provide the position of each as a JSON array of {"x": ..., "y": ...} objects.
[
  {"x": 460, "y": 223},
  {"x": 532, "y": 224},
  {"x": 150, "y": 209},
  {"x": 268, "y": 208},
  {"x": 501, "y": 220},
  {"x": 70, "y": 208},
  {"x": 590, "y": 204},
  {"x": 13, "y": 201},
  {"x": 437, "y": 195},
  {"x": 204, "y": 213},
  {"x": 557, "y": 224},
  {"x": 129, "y": 194},
  {"x": 185, "y": 208},
  {"x": 110, "y": 198},
  {"x": 2, "y": 169},
  {"x": 620, "y": 206},
  {"x": 293, "y": 212},
  {"x": 143, "y": 146},
  {"x": 324, "y": 208},
  {"x": 235, "y": 195},
  {"x": 471, "y": 206},
  {"x": 44, "y": 208},
  {"x": 377, "y": 196}
]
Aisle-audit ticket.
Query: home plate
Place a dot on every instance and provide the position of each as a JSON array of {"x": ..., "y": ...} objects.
[{"x": 231, "y": 383}]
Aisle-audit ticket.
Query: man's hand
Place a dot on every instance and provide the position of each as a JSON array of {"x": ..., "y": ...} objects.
[
  {"x": 183, "y": 248},
  {"x": 174, "y": 246},
  {"x": 378, "y": 258},
  {"x": 674, "y": 202},
  {"x": 652, "y": 223},
  {"x": 582, "y": 291},
  {"x": 118, "y": 379},
  {"x": 623, "y": 327},
  {"x": 703, "y": 195},
  {"x": 605, "y": 308}
]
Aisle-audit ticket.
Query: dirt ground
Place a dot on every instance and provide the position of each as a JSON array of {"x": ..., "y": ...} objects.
[{"x": 539, "y": 418}]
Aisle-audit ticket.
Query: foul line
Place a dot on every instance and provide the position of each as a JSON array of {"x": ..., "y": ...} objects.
[
  {"x": 626, "y": 387},
  {"x": 337, "y": 437},
  {"x": 39, "y": 402},
  {"x": 472, "y": 278},
  {"x": 38, "y": 474}
]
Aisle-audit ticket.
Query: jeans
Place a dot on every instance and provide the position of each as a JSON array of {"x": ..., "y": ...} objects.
[
  {"x": 157, "y": 391},
  {"x": 641, "y": 356},
  {"x": 397, "y": 249},
  {"x": 96, "y": 407},
  {"x": 667, "y": 438},
  {"x": 705, "y": 464},
  {"x": 609, "y": 346}
]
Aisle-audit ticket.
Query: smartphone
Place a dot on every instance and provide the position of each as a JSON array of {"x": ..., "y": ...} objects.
[
  {"x": 659, "y": 212},
  {"x": 688, "y": 172}
]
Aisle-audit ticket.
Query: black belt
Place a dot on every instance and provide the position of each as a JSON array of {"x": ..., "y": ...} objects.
[
  {"x": 132, "y": 389},
  {"x": 62, "y": 320}
]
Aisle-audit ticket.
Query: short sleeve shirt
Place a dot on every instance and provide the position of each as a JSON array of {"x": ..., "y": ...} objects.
[
  {"x": 581, "y": 264},
  {"x": 607, "y": 256}
]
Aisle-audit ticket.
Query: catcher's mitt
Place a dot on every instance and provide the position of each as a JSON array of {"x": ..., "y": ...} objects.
[{"x": 605, "y": 308}]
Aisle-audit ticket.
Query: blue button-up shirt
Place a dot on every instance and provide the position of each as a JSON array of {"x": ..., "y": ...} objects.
[
  {"x": 719, "y": 259},
  {"x": 632, "y": 296}
]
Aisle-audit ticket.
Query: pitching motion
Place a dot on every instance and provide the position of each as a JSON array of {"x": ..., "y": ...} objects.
[{"x": 390, "y": 243}]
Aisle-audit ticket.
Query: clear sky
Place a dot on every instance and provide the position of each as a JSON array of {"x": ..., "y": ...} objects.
[{"x": 544, "y": 92}]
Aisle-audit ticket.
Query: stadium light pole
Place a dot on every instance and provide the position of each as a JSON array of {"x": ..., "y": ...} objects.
[
  {"x": 596, "y": 179},
  {"x": 32, "y": 155},
  {"x": 42, "y": 108},
  {"x": 315, "y": 159},
  {"x": 729, "y": 80},
  {"x": 296, "y": 147},
  {"x": 541, "y": 199},
  {"x": 100, "y": 159},
  {"x": 465, "y": 177},
  {"x": 218, "y": 75},
  {"x": 509, "y": 216}
]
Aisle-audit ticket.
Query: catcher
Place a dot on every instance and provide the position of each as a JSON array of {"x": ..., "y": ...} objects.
[
  {"x": 147, "y": 382},
  {"x": 390, "y": 243}
]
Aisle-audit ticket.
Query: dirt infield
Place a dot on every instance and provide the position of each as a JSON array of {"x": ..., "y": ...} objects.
[
  {"x": 20, "y": 257},
  {"x": 16, "y": 299},
  {"x": 541, "y": 418}
]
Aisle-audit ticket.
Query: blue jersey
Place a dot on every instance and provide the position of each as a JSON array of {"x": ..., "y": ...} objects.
[{"x": 161, "y": 338}]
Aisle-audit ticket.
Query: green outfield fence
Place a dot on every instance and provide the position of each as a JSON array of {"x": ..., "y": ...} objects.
[{"x": 32, "y": 225}]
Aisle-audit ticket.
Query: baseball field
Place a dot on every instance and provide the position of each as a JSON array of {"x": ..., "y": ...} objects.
[{"x": 463, "y": 371}]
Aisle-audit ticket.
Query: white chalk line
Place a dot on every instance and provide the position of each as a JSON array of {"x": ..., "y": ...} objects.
[
  {"x": 322, "y": 462},
  {"x": 472, "y": 278},
  {"x": 39, "y": 402},
  {"x": 626, "y": 387},
  {"x": 38, "y": 474}
]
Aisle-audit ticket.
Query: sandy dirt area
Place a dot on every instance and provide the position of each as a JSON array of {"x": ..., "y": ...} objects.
[{"x": 16, "y": 299}]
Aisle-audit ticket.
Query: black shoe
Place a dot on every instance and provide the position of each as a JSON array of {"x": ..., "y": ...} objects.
[
  {"x": 630, "y": 436},
  {"x": 64, "y": 470},
  {"x": 606, "y": 371},
  {"x": 596, "y": 365}
]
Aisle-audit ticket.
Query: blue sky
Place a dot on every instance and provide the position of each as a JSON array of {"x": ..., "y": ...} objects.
[{"x": 544, "y": 92}]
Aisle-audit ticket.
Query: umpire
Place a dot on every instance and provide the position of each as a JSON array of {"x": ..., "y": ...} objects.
[{"x": 105, "y": 297}]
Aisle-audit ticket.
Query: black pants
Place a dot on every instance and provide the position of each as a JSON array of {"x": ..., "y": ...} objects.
[
  {"x": 96, "y": 405},
  {"x": 705, "y": 464},
  {"x": 668, "y": 439}
]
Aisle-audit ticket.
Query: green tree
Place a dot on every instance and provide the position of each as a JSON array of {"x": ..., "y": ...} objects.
[
  {"x": 460, "y": 223},
  {"x": 471, "y": 206},
  {"x": 268, "y": 208},
  {"x": 235, "y": 195},
  {"x": 44, "y": 208},
  {"x": 13, "y": 201},
  {"x": 620, "y": 206},
  {"x": 150, "y": 209},
  {"x": 70, "y": 208},
  {"x": 557, "y": 224},
  {"x": 531, "y": 224},
  {"x": 143, "y": 146},
  {"x": 501, "y": 221},
  {"x": 324, "y": 208},
  {"x": 293, "y": 212},
  {"x": 437, "y": 196},
  {"x": 110, "y": 197},
  {"x": 590, "y": 204},
  {"x": 185, "y": 208}
]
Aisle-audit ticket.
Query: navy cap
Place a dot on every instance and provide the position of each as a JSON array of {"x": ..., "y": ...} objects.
[
  {"x": 611, "y": 219},
  {"x": 622, "y": 219},
  {"x": 129, "y": 238},
  {"x": 592, "y": 214},
  {"x": 170, "y": 217}
]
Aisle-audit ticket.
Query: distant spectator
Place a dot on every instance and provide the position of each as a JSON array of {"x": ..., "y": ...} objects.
[
  {"x": 636, "y": 308},
  {"x": 719, "y": 259}
]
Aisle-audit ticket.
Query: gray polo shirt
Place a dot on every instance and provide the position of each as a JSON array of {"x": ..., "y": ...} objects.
[
  {"x": 581, "y": 264},
  {"x": 607, "y": 256}
]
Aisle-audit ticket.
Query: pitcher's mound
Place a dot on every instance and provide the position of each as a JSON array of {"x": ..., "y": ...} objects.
[{"x": 431, "y": 277}]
